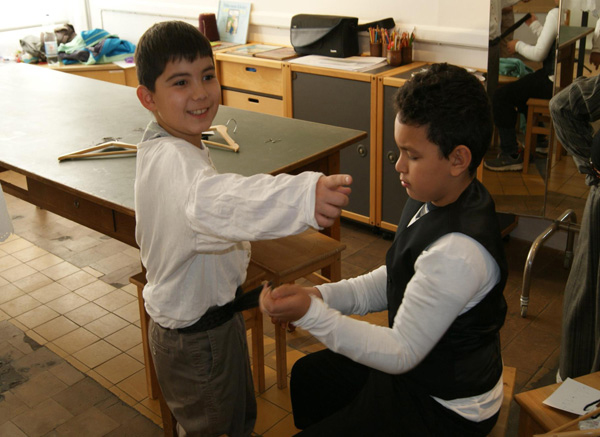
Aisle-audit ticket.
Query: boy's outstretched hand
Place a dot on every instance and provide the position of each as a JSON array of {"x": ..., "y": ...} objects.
[
  {"x": 287, "y": 303},
  {"x": 332, "y": 194}
]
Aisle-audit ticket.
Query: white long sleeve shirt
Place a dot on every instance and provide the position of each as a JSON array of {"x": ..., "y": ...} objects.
[
  {"x": 451, "y": 276},
  {"x": 546, "y": 37},
  {"x": 193, "y": 224}
]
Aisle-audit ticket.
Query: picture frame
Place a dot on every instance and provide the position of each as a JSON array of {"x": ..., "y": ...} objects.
[{"x": 233, "y": 19}]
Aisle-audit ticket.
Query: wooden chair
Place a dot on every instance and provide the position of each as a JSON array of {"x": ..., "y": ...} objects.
[
  {"x": 288, "y": 259},
  {"x": 253, "y": 319},
  {"x": 538, "y": 111},
  {"x": 509, "y": 376}
]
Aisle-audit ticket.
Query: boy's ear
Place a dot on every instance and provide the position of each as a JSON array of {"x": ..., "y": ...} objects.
[
  {"x": 146, "y": 97},
  {"x": 460, "y": 159}
]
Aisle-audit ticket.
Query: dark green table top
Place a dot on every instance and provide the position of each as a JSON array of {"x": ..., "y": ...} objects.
[{"x": 45, "y": 114}]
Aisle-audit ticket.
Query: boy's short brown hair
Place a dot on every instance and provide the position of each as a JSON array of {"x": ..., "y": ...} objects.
[
  {"x": 453, "y": 105},
  {"x": 164, "y": 42}
]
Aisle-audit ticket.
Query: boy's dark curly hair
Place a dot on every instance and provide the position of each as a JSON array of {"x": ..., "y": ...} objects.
[
  {"x": 164, "y": 42},
  {"x": 453, "y": 105}
]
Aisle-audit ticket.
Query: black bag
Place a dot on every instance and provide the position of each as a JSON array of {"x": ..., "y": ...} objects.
[{"x": 329, "y": 35}]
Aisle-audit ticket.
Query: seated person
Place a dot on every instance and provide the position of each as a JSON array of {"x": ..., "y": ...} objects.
[
  {"x": 511, "y": 99},
  {"x": 436, "y": 370}
]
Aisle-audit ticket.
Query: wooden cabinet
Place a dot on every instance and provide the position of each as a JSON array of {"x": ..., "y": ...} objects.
[
  {"x": 254, "y": 84},
  {"x": 349, "y": 99},
  {"x": 106, "y": 72}
]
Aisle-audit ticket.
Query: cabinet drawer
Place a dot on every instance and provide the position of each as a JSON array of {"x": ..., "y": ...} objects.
[
  {"x": 114, "y": 76},
  {"x": 253, "y": 102},
  {"x": 251, "y": 77}
]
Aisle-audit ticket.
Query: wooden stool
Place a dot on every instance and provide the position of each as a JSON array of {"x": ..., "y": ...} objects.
[
  {"x": 538, "y": 110},
  {"x": 253, "y": 319},
  {"x": 287, "y": 259},
  {"x": 509, "y": 376},
  {"x": 537, "y": 418}
]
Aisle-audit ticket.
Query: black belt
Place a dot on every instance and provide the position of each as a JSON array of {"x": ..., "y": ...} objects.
[{"x": 216, "y": 316}]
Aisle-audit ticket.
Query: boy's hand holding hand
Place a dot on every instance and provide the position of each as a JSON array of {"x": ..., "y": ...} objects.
[
  {"x": 332, "y": 194},
  {"x": 287, "y": 303}
]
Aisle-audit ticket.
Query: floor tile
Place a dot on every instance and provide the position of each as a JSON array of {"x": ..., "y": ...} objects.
[
  {"x": 60, "y": 270},
  {"x": 84, "y": 313},
  {"x": 17, "y": 272},
  {"x": 33, "y": 282},
  {"x": 68, "y": 303},
  {"x": 106, "y": 325},
  {"x": 42, "y": 419},
  {"x": 76, "y": 340},
  {"x": 77, "y": 280},
  {"x": 30, "y": 253},
  {"x": 42, "y": 386},
  {"x": 90, "y": 423},
  {"x": 119, "y": 368},
  {"x": 45, "y": 261},
  {"x": 19, "y": 305},
  {"x": 49, "y": 292},
  {"x": 125, "y": 338},
  {"x": 37, "y": 316},
  {"x": 94, "y": 290},
  {"x": 96, "y": 353},
  {"x": 115, "y": 300}
]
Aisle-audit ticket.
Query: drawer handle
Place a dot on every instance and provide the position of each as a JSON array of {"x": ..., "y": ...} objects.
[
  {"x": 76, "y": 204},
  {"x": 251, "y": 100},
  {"x": 362, "y": 151},
  {"x": 251, "y": 69},
  {"x": 391, "y": 156}
]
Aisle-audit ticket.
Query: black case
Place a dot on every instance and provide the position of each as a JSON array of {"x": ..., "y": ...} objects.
[{"x": 326, "y": 35}]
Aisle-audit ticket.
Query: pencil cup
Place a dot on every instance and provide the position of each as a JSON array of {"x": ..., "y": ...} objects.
[
  {"x": 406, "y": 55},
  {"x": 375, "y": 49},
  {"x": 384, "y": 50},
  {"x": 394, "y": 57}
]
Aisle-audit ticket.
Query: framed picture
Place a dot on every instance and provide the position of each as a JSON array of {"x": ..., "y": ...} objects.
[{"x": 233, "y": 19}]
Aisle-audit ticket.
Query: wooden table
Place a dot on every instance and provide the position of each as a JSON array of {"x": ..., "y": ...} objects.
[
  {"x": 568, "y": 36},
  {"x": 537, "y": 418},
  {"x": 46, "y": 114}
]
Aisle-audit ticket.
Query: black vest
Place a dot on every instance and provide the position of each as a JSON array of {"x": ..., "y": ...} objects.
[{"x": 466, "y": 361}]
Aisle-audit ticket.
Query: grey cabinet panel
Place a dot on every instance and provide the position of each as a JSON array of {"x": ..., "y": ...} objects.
[
  {"x": 344, "y": 103},
  {"x": 393, "y": 195}
]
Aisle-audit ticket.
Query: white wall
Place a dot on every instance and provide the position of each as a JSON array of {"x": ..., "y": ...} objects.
[{"x": 446, "y": 30}]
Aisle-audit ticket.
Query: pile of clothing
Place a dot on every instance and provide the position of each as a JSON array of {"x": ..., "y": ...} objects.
[{"x": 95, "y": 46}]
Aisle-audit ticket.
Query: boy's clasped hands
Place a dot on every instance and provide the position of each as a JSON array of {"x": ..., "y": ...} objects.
[{"x": 287, "y": 303}]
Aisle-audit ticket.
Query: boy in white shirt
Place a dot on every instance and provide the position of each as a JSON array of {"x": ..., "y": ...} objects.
[
  {"x": 436, "y": 369},
  {"x": 193, "y": 226}
]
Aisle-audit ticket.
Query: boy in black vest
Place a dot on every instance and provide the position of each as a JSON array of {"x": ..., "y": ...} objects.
[{"x": 436, "y": 369}]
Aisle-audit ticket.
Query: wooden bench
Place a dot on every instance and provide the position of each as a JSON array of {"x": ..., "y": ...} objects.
[{"x": 288, "y": 259}]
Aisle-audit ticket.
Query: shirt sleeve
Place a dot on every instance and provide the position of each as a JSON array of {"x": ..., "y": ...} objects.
[
  {"x": 596, "y": 38},
  {"x": 451, "y": 276},
  {"x": 229, "y": 207},
  {"x": 546, "y": 37}
]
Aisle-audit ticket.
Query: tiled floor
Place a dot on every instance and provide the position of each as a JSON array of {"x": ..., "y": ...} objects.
[{"x": 66, "y": 287}]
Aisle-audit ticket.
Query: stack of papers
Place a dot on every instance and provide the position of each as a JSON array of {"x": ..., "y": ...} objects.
[{"x": 352, "y": 63}]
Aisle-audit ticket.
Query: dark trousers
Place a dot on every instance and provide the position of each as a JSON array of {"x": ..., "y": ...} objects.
[
  {"x": 334, "y": 396},
  {"x": 511, "y": 99}
]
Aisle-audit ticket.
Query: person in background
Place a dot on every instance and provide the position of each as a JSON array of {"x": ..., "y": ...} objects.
[
  {"x": 511, "y": 99},
  {"x": 573, "y": 111}
]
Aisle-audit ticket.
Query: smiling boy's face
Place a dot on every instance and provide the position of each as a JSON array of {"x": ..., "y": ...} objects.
[
  {"x": 424, "y": 172},
  {"x": 185, "y": 99}
]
